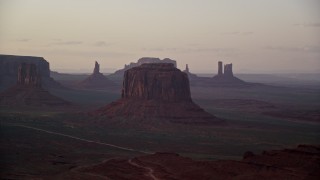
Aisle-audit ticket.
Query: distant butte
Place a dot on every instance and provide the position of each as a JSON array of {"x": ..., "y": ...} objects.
[
  {"x": 9, "y": 70},
  {"x": 227, "y": 76},
  {"x": 144, "y": 60},
  {"x": 158, "y": 91},
  {"x": 224, "y": 78},
  {"x": 28, "y": 91},
  {"x": 96, "y": 80}
]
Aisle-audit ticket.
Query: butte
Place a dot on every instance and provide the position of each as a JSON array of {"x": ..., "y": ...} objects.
[
  {"x": 144, "y": 60},
  {"x": 157, "y": 91},
  {"x": 227, "y": 76},
  {"x": 9, "y": 70},
  {"x": 28, "y": 90}
]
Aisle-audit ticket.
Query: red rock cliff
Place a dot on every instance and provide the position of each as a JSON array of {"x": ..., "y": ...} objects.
[
  {"x": 28, "y": 75},
  {"x": 156, "y": 91},
  {"x": 162, "y": 82},
  {"x": 28, "y": 91},
  {"x": 9, "y": 65}
]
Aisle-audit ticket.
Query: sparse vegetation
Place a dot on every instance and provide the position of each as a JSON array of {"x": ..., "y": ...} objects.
[{"x": 35, "y": 152}]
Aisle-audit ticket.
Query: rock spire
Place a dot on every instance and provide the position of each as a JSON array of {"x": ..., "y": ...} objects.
[
  {"x": 96, "y": 69},
  {"x": 96, "y": 80}
]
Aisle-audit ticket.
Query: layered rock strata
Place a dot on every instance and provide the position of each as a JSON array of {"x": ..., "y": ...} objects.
[
  {"x": 28, "y": 75},
  {"x": 9, "y": 70},
  {"x": 157, "y": 91},
  {"x": 28, "y": 90}
]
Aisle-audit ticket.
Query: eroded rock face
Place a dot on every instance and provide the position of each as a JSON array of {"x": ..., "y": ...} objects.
[
  {"x": 192, "y": 77},
  {"x": 226, "y": 77},
  {"x": 9, "y": 65},
  {"x": 146, "y": 60},
  {"x": 28, "y": 91},
  {"x": 96, "y": 80},
  {"x": 158, "y": 91},
  {"x": 28, "y": 75},
  {"x": 220, "y": 72},
  {"x": 161, "y": 82},
  {"x": 228, "y": 70},
  {"x": 96, "y": 69}
]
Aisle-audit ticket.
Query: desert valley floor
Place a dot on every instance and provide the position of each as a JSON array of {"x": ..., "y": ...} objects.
[{"x": 55, "y": 143}]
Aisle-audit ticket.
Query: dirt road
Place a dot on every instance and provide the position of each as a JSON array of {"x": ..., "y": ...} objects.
[
  {"x": 81, "y": 139},
  {"x": 149, "y": 173}
]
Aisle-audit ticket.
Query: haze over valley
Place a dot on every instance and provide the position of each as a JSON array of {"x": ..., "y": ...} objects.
[{"x": 150, "y": 90}]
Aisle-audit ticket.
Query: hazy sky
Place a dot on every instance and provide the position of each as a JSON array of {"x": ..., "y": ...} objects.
[{"x": 255, "y": 35}]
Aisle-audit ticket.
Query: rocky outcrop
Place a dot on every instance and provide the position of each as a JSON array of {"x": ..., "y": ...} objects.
[
  {"x": 96, "y": 80},
  {"x": 28, "y": 90},
  {"x": 9, "y": 65},
  {"x": 220, "y": 72},
  {"x": 144, "y": 60},
  {"x": 158, "y": 91},
  {"x": 187, "y": 69},
  {"x": 28, "y": 75},
  {"x": 160, "y": 82},
  {"x": 192, "y": 77},
  {"x": 299, "y": 163},
  {"x": 226, "y": 77},
  {"x": 228, "y": 70},
  {"x": 96, "y": 69}
]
